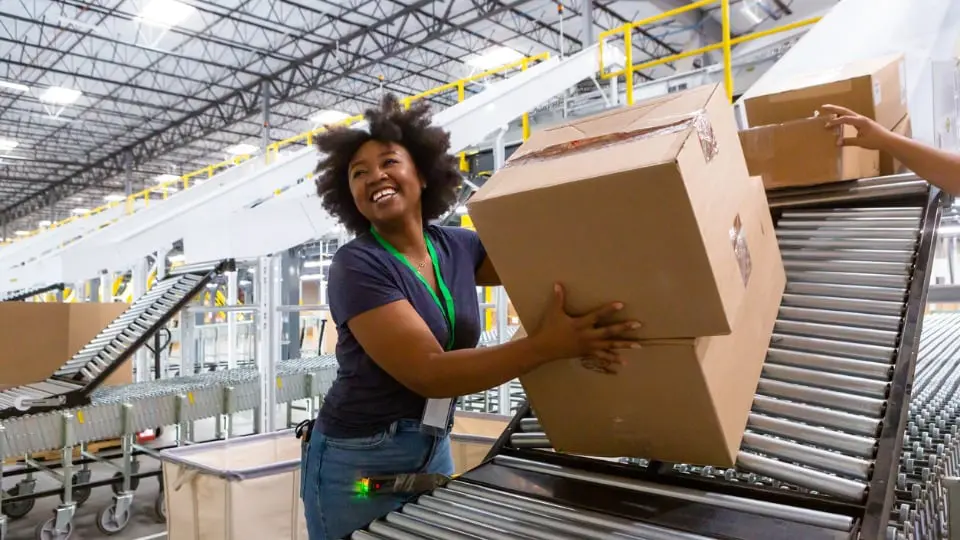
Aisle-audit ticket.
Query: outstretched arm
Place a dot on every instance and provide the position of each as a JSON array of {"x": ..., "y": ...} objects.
[
  {"x": 399, "y": 341},
  {"x": 938, "y": 167}
]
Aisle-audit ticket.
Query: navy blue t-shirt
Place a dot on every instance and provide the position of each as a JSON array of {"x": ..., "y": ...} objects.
[{"x": 365, "y": 399}]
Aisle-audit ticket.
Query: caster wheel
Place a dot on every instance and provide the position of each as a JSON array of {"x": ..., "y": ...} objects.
[
  {"x": 110, "y": 523},
  {"x": 80, "y": 494},
  {"x": 18, "y": 509},
  {"x": 117, "y": 485},
  {"x": 47, "y": 531},
  {"x": 160, "y": 508}
]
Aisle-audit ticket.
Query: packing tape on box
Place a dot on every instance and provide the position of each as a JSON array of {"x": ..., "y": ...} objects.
[
  {"x": 741, "y": 251},
  {"x": 697, "y": 121}
]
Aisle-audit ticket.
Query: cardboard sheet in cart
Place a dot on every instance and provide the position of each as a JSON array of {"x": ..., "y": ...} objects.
[{"x": 242, "y": 488}]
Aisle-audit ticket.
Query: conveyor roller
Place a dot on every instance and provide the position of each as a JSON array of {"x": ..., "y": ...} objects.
[
  {"x": 72, "y": 384},
  {"x": 16, "y": 296},
  {"x": 820, "y": 455}
]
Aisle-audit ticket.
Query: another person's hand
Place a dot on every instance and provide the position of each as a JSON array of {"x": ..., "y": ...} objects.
[
  {"x": 561, "y": 336},
  {"x": 870, "y": 134}
]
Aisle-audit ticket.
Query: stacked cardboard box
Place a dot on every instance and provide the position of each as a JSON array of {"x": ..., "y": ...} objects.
[
  {"x": 652, "y": 206},
  {"x": 36, "y": 338},
  {"x": 787, "y": 146}
]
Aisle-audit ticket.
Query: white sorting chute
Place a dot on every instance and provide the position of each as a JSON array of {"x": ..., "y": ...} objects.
[
  {"x": 218, "y": 219},
  {"x": 296, "y": 216}
]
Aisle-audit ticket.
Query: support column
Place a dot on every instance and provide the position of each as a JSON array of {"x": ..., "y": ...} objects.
[
  {"x": 265, "y": 114},
  {"x": 128, "y": 174},
  {"x": 231, "y": 320},
  {"x": 106, "y": 284},
  {"x": 291, "y": 264},
  {"x": 588, "y": 35},
  {"x": 138, "y": 285},
  {"x": 268, "y": 340}
]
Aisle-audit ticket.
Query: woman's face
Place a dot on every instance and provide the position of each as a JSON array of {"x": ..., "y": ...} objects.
[{"x": 384, "y": 182}]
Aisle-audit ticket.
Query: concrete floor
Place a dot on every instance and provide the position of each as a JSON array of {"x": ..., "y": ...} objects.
[{"x": 143, "y": 524}]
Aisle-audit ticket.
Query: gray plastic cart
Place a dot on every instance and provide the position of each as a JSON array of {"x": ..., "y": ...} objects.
[{"x": 243, "y": 488}]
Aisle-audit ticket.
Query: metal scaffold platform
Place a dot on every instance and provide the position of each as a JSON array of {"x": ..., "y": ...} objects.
[{"x": 821, "y": 457}]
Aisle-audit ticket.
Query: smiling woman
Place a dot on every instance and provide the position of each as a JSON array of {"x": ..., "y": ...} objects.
[{"x": 403, "y": 296}]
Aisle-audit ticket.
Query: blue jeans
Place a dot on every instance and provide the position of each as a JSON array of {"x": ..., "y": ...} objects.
[{"x": 331, "y": 468}]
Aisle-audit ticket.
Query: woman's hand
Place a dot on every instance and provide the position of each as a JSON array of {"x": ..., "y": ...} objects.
[
  {"x": 870, "y": 135},
  {"x": 562, "y": 336}
]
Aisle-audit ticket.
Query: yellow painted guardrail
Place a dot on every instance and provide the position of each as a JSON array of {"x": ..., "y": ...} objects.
[
  {"x": 627, "y": 31},
  {"x": 163, "y": 189},
  {"x": 459, "y": 85}
]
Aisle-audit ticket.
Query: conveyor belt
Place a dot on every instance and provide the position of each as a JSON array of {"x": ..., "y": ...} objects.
[
  {"x": 820, "y": 456},
  {"x": 931, "y": 452},
  {"x": 16, "y": 296},
  {"x": 117, "y": 410},
  {"x": 73, "y": 383}
]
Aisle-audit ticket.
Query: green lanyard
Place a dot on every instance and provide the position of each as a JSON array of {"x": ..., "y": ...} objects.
[{"x": 448, "y": 312}]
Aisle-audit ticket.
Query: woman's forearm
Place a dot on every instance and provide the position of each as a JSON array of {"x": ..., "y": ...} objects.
[
  {"x": 936, "y": 166},
  {"x": 468, "y": 371}
]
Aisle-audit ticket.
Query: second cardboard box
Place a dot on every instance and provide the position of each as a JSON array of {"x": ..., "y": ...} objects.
[{"x": 680, "y": 401}]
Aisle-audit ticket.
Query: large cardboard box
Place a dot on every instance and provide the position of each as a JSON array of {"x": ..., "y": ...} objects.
[
  {"x": 36, "y": 338},
  {"x": 804, "y": 153},
  {"x": 681, "y": 400},
  {"x": 875, "y": 88},
  {"x": 640, "y": 205},
  {"x": 889, "y": 165}
]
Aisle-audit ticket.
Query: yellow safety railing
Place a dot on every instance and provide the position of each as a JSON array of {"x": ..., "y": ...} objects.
[
  {"x": 458, "y": 85},
  {"x": 163, "y": 189},
  {"x": 627, "y": 31}
]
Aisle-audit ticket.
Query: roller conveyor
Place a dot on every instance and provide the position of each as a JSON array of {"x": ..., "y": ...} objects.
[
  {"x": 72, "y": 384},
  {"x": 113, "y": 411},
  {"x": 16, "y": 296},
  {"x": 821, "y": 453}
]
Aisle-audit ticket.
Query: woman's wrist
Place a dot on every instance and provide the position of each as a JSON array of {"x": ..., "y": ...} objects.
[{"x": 537, "y": 349}]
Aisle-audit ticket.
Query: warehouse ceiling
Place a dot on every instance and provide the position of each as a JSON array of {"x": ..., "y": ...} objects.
[{"x": 97, "y": 97}]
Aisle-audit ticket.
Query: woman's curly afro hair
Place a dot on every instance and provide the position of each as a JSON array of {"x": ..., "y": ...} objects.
[{"x": 428, "y": 145}]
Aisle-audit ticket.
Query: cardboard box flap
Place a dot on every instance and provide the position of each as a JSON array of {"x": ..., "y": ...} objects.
[
  {"x": 841, "y": 73},
  {"x": 665, "y": 124}
]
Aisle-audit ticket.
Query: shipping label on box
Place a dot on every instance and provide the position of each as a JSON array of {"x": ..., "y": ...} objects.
[
  {"x": 634, "y": 205},
  {"x": 875, "y": 88},
  {"x": 679, "y": 400},
  {"x": 805, "y": 153}
]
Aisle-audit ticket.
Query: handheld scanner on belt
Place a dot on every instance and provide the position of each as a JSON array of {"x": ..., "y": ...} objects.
[{"x": 406, "y": 484}]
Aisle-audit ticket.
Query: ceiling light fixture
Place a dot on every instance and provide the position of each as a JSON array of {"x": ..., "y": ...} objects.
[
  {"x": 80, "y": 211},
  {"x": 240, "y": 149},
  {"x": 8, "y": 144},
  {"x": 327, "y": 117},
  {"x": 114, "y": 197},
  {"x": 44, "y": 223},
  {"x": 22, "y": 233},
  {"x": 166, "y": 13},
  {"x": 17, "y": 87},
  {"x": 494, "y": 57},
  {"x": 58, "y": 95},
  {"x": 166, "y": 178}
]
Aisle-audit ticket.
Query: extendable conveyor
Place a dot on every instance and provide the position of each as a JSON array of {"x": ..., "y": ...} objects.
[
  {"x": 16, "y": 296},
  {"x": 72, "y": 384},
  {"x": 821, "y": 455}
]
